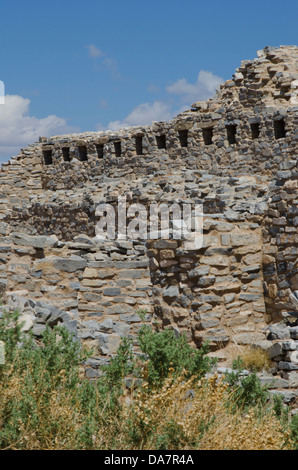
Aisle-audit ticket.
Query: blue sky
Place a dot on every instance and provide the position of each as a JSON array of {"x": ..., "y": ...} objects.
[{"x": 92, "y": 65}]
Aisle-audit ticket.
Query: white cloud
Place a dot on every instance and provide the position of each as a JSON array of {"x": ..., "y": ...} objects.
[
  {"x": 18, "y": 129},
  {"x": 107, "y": 63},
  {"x": 205, "y": 87},
  {"x": 143, "y": 114},
  {"x": 94, "y": 51},
  {"x": 180, "y": 96}
]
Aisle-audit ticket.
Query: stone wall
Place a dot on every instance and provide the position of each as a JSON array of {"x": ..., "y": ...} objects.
[
  {"x": 101, "y": 288},
  {"x": 281, "y": 245},
  {"x": 235, "y": 154}
]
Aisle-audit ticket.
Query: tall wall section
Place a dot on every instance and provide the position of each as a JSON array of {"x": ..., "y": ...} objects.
[{"x": 236, "y": 154}]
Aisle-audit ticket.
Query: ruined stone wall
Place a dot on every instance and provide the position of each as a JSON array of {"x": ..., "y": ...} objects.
[
  {"x": 281, "y": 245},
  {"x": 235, "y": 154},
  {"x": 102, "y": 288}
]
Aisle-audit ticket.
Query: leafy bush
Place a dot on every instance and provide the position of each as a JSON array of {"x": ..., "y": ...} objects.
[
  {"x": 164, "y": 352},
  {"x": 10, "y": 333},
  {"x": 120, "y": 366},
  {"x": 41, "y": 393},
  {"x": 46, "y": 403}
]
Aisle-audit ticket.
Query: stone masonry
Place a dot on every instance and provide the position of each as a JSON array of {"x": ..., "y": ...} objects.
[{"x": 235, "y": 154}]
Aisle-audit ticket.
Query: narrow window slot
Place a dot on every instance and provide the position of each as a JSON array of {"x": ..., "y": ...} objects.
[
  {"x": 255, "y": 130},
  {"x": 99, "y": 150},
  {"x": 47, "y": 155},
  {"x": 208, "y": 135},
  {"x": 183, "y": 137},
  {"x": 117, "y": 146},
  {"x": 139, "y": 145},
  {"x": 65, "y": 153},
  {"x": 83, "y": 153},
  {"x": 279, "y": 129},
  {"x": 231, "y": 133},
  {"x": 161, "y": 141}
]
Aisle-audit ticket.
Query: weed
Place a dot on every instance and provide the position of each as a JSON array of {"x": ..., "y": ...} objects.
[{"x": 46, "y": 404}]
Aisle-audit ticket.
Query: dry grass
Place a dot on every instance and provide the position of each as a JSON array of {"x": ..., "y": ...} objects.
[
  {"x": 181, "y": 415},
  {"x": 45, "y": 405},
  {"x": 53, "y": 423},
  {"x": 253, "y": 358},
  {"x": 200, "y": 419}
]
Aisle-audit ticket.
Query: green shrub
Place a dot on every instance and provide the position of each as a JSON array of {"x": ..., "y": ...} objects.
[
  {"x": 45, "y": 403},
  {"x": 121, "y": 365},
  {"x": 247, "y": 390},
  {"x": 10, "y": 333},
  {"x": 164, "y": 352},
  {"x": 41, "y": 393}
]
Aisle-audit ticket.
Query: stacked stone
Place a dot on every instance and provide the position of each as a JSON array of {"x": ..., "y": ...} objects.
[
  {"x": 36, "y": 315},
  {"x": 262, "y": 92},
  {"x": 235, "y": 154},
  {"x": 281, "y": 244},
  {"x": 213, "y": 294},
  {"x": 102, "y": 286},
  {"x": 284, "y": 351}
]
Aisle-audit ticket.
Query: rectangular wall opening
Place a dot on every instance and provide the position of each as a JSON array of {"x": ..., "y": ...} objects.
[
  {"x": 65, "y": 154},
  {"x": 208, "y": 135},
  {"x": 183, "y": 137},
  {"x": 47, "y": 156},
  {"x": 161, "y": 141},
  {"x": 99, "y": 150},
  {"x": 255, "y": 130},
  {"x": 279, "y": 129},
  {"x": 139, "y": 144},
  {"x": 231, "y": 133},
  {"x": 117, "y": 146},
  {"x": 83, "y": 153}
]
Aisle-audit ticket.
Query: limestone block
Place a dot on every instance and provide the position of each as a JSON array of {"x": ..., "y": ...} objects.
[
  {"x": 292, "y": 356},
  {"x": 243, "y": 239},
  {"x": 90, "y": 273},
  {"x": 153, "y": 264},
  {"x": 292, "y": 377},
  {"x": 4, "y": 228},
  {"x": 275, "y": 350},
  {"x": 106, "y": 273},
  {"x": 93, "y": 283},
  {"x": 199, "y": 271},
  {"x": 210, "y": 323},
  {"x": 248, "y": 338},
  {"x": 217, "y": 336},
  {"x": 27, "y": 321},
  {"x": 249, "y": 297},
  {"x": 165, "y": 244},
  {"x": 71, "y": 264},
  {"x": 216, "y": 260},
  {"x": 167, "y": 263},
  {"x": 39, "y": 241},
  {"x": 119, "y": 309},
  {"x": 167, "y": 254},
  {"x": 108, "y": 343},
  {"x": 171, "y": 293}
]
